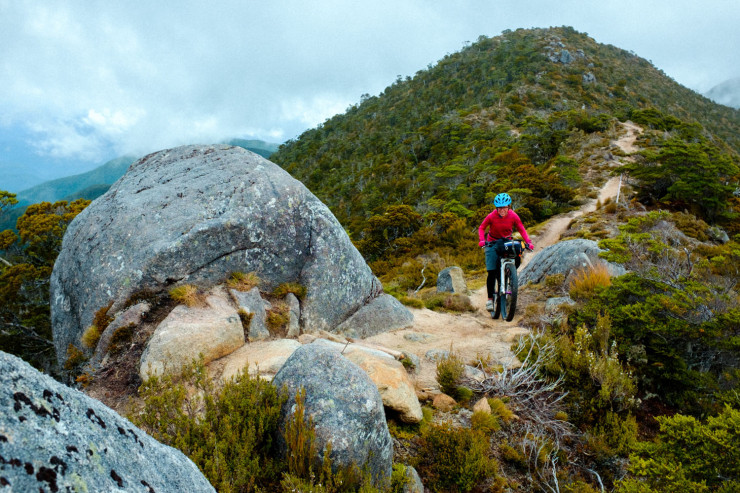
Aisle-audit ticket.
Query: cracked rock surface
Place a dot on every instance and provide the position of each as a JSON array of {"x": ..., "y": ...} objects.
[{"x": 54, "y": 438}]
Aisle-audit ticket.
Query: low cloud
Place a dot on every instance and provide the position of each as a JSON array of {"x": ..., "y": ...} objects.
[{"x": 94, "y": 79}]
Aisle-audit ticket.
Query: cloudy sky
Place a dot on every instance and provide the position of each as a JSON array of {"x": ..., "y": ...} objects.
[{"x": 82, "y": 82}]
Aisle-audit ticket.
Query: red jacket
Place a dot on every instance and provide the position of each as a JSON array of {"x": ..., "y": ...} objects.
[{"x": 501, "y": 227}]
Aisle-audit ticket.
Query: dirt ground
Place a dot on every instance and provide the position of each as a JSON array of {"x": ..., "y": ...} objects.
[{"x": 477, "y": 335}]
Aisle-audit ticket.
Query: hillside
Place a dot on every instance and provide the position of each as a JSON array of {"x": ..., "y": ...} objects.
[
  {"x": 526, "y": 111},
  {"x": 53, "y": 190}
]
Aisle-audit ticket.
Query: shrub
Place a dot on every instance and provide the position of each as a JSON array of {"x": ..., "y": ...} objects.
[
  {"x": 243, "y": 282},
  {"x": 75, "y": 357},
  {"x": 412, "y": 302},
  {"x": 688, "y": 455},
  {"x": 484, "y": 422},
  {"x": 188, "y": 295},
  {"x": 498, "y": 407},
  {"x": 227, "y": 432},
  {"x": 453, "y": 459},
  {"x": 586, "y": 281},
  {"x": 449, "y": 372},
  {"x": 290, "y": 287},
  {"x": 246, "y": 319},
  {"x": 453, "y": 302}
]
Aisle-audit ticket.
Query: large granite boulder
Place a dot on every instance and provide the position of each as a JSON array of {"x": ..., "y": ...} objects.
[
  {"x": 194, "y": 215},
  {"x": 565, "y": 257},
  {"x": 53, "y": 438},
  {"x": 345, "y": 406}
]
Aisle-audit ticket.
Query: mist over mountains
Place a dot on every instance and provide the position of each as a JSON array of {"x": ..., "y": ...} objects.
[{"x": 726, "y": 93}]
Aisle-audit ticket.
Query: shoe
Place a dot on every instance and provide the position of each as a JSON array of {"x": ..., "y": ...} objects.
[{"x": 489, "y": 305}]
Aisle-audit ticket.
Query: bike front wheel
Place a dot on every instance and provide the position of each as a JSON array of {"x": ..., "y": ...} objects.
[{"x": 510, "y": 292}]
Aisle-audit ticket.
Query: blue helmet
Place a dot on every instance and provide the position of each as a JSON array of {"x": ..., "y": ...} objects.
[{"x": 502, "y": 200}]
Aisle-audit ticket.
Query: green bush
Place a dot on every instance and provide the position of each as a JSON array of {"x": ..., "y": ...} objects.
[
  {"x": 227, "y": 432},
  {"x": 453, "y": 459},
  {"x": 449, "y": 372},
  {"x": 688, "y": 455}
]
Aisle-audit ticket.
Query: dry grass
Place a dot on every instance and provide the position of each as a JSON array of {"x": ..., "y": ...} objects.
[
  {"x": 277, "y": 318},
  {"x": 243, "y": 282},
  {"x": 188, "y": 295},
  {"x": 586, "y": 281}
]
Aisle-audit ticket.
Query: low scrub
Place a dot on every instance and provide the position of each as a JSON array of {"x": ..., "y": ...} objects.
[{"x": 454, "y": 459}]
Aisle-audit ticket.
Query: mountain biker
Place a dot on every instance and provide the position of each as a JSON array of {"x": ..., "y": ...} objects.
[{"x": 500, "y": 224}]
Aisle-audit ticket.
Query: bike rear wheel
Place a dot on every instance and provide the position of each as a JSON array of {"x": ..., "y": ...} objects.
[{"x": 507, "y": 300}]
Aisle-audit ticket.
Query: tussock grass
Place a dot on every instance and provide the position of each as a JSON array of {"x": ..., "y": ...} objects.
[
  {"x": 290, "y": 287},
  {"x": 586, "y": 281},
  {"x": 188, "y": 295},
  {"x": 243, "y": 282}
]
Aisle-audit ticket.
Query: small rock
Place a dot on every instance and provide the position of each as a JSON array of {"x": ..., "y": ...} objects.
[
  {"x": 294, "y": 315},
  {"x": 414, "y": 484},
  {"x": 214, "y": 331},
  {"x": 394, "y": 385},
  {"x": 482, "y": 406},
  {"x": 452, "y": 280},
  {"x": 252, "y": 302},
  {"x": 436, "y": 354},
  {"x": 444, "y": 402}
]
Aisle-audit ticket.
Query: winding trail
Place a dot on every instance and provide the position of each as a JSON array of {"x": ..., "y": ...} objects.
[{"x": 476, "y": 335}]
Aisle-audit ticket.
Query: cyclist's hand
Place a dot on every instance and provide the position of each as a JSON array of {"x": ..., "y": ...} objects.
[
  {"x": 481, "y": 243},
  {"x": 530, "y": 246}
]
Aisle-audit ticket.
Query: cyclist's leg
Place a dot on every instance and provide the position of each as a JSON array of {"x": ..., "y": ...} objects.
[{"x": 492, "y": 266}]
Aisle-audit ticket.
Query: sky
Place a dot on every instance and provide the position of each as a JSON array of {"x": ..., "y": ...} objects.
[{"x": 82, "y": 82}]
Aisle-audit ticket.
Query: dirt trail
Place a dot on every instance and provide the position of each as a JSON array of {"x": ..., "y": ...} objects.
[{"x": 473, "y": 335}]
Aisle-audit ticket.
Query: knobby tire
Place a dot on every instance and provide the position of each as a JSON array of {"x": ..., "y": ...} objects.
[{"x": 511, "y": 290}]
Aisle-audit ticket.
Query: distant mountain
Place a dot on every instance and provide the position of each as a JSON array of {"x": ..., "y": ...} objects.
[
  {"x": 264, "y": 149},
  {"x": 70, "y": 186},
  {"x": 727, "y": 93}
]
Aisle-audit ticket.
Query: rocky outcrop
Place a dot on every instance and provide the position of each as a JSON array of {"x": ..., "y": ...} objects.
[
  {"x": 53, "y": 438},
  {"x": 194, "y": 215},
  {"x": 345, "y": 406},
  {"x": 563, "y": 258}
]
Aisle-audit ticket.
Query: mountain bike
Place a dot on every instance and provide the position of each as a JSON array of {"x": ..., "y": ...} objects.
[{"x": 508, "y": 284}]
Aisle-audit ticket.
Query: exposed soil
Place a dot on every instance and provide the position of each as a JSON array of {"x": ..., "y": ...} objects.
[{"x": 476, "y": 335}]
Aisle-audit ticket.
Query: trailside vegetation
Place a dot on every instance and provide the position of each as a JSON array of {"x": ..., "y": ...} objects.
[{"x": 27, "y": 257}]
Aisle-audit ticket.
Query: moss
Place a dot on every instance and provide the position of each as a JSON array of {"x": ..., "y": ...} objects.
[{"x": 90, "y": 337}]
